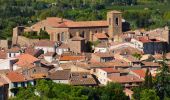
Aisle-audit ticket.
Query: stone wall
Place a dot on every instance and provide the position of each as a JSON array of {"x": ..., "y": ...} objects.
[
  {"x": 23, "y": 41},
  {"x": 4, "y": 43}
]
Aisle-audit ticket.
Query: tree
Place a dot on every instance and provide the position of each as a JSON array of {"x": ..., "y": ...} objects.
[
  {"x": 148, "y": 80},
  {"x": 162, "y": 81},
  {"x": 43, "y": 34},
  {"x": 149, "y": 94},
  {"x": 113, "y": 91},
  {"x": 26, "y": 93},
  {"x": 136, "y": 55}
]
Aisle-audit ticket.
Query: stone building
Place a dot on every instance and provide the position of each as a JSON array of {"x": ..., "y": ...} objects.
[{"x": 62, "y": 29}]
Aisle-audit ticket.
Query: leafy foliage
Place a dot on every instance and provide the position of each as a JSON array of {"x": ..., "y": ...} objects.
[
  {"x": 155, "y": 89},
  {"x": 46, "y": 89},
  {"x": 140, "y": 13}
]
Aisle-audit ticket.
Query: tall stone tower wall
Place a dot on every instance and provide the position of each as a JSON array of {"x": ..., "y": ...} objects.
[
  {"x": 17, "y": 31},
  {"x": 114, "y": 19}
]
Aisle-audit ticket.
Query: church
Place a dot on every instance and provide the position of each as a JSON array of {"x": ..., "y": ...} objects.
[{"x": 61, "y": 29}]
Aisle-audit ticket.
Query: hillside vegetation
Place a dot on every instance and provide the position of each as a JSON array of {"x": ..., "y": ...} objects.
[{"x": 139, "y": 13}]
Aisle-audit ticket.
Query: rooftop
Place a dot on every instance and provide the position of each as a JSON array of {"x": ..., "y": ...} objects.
[
  {"x": 15, "y": 77},
  {"x": 141, "y": 73},
  {"x": 125, "y": 79},
  {"x": 110, "y": 70},
  {"x": 25, "y": 59}
]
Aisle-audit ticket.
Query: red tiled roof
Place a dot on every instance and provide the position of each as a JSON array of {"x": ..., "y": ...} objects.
[
  {"x": 110, "y": 70},
  {"x": 15, "y": 77},
  {"x": 26, "y": 59},
  {"x": 125, "y": 79},
  {"x": 114, "y": 63},
  {"x": 84, "y": 24},
  {"x": 71, "y": 58},
  {"x": 107, "y": 54},
  {"x": 140, "y": 73},
  {"x": 145, "y": 39}
]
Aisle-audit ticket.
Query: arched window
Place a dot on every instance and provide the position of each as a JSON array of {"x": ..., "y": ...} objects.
[
  {"x": 58, "y": 36},
  {"x": 71, "y": 35},
  {"x": 117, "y": 21},
  {"x": 82, "y": 34},
  {"x": 62, "y": 36}
]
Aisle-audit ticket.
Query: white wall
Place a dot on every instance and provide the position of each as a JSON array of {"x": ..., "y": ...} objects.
[
  {"x": 45, "y": 49},
  {"x": 137, "y": 43},
  {"x": 102, "y": 76},
  {"x": 13, "y": 55},
  {"x": 61, "y": 81},
  {"x": 48, "y": 58},
  {"x": 60, "y": 51},
  {"x": 5, "y": 63},
  {"x": 98, "y": 49}
]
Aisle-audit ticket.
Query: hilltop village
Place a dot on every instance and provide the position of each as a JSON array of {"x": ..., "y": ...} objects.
[{"x": 82, "y": 53}]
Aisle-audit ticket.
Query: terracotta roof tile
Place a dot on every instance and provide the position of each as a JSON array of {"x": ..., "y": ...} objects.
[
  {"x": 71, "y": 58},
  {"x": 140, "y": 73},
  {"x": 115, "y": 63},
  {"x": 15, "y": 77},
  {"x": 110, "y": 70},
  {"x": 60, "y": 75},
  {"x": 82, "y": 78},
  {"x": 107, "y": 54},
  {"x": 38, "y": 75},
  {"x": 125, "y": 79},
  {"x": 154, "y": 64},
  {"x": 85, "y": 24},
  {"x": 25, "y": 59}
]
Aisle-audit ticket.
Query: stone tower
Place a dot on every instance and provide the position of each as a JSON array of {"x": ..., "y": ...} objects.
[
  {"x": 17, "y": 31},
  {"x": 114, "y": 19}
]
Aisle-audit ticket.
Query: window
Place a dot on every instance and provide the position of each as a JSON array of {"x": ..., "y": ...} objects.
[
  {"x": 117, "y": 21},
  {"x": 110, "y": 21},
  {"x": 22, "y": 84},
  {"x": 15, "y": 84},
  {"x": 62, "y": 36},
  {"x": 34, "y": 70},
  {"x": 9, "y": 54},
  {"x": 71, "y": 35},
  {"x": 82, "y": 34},
  {"x": 58, "y": 37}
]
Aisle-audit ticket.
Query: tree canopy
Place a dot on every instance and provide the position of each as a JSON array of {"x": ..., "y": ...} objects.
[{"x": 50, "y": 90}]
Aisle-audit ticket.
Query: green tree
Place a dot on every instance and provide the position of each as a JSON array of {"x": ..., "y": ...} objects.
[
  {"x": 148, "y": 79},
  {"x": 162, "y": 81},
  {"x": 113, "y": 91},
  {"x": 149, "y": 94}
]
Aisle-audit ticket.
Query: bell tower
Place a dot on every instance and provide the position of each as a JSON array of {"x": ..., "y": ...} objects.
[{"x": 114, "y": 20}]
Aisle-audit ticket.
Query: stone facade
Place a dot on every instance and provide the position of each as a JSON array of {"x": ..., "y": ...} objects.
[{"x": 63, "y": 29}]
